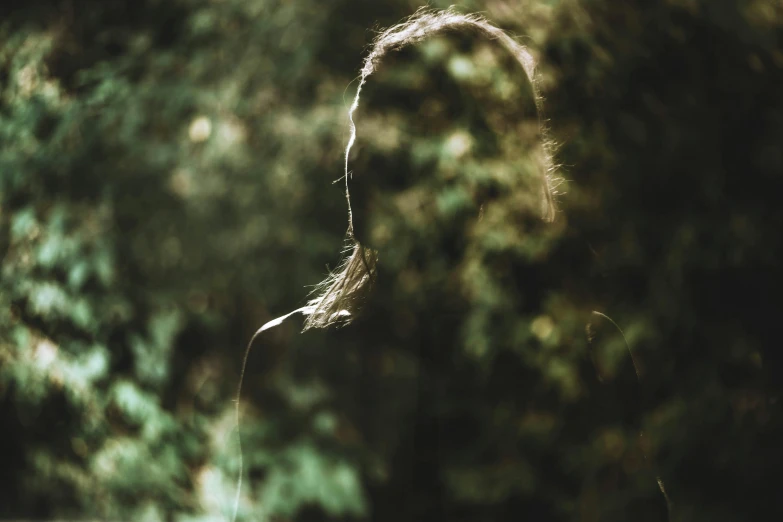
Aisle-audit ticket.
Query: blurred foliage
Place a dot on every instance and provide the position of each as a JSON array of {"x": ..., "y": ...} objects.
[{"x": 166, "y": 186}]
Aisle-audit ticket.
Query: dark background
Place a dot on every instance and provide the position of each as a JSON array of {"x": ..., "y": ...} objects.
[{"x": 166, "y": 174}]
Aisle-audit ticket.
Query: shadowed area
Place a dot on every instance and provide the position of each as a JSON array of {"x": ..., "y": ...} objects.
[{"x": 167, "y": 186}]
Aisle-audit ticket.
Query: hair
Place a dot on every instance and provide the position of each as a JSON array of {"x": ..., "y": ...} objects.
[{"x": 339, "y": 298}]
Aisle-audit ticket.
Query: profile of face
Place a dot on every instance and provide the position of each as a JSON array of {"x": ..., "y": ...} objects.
[
  {"x": 445, "y": 128},
  {"x": 446, "y": 152}
]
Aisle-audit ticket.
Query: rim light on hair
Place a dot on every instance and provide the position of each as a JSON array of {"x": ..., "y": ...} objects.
[{"x": 339, "y": 298}]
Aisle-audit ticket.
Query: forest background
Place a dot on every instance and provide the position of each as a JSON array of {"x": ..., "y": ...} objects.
[{"x": 166, "y": 187}]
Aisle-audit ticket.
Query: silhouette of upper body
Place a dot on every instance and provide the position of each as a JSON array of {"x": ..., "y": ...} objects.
[{"x": 448, "y": 173}]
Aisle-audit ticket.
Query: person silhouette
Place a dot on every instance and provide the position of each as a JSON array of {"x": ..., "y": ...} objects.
[
  {"x": 428, "y": 179},
  {"x": 448, "y": 171}
]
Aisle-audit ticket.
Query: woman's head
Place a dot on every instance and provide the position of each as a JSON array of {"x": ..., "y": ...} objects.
[{"x": 441, "y": 193}]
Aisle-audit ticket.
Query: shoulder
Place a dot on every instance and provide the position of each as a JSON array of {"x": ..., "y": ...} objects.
[
  {"x": 298, "y": 316},
  {"x": 304, "y": 311}
]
